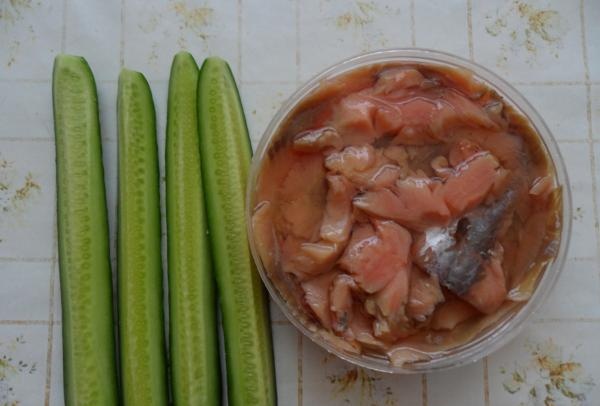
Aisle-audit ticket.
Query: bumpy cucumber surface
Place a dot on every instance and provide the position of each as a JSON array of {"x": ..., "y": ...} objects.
[
  {"x": 226, "y": 152},
  {"x": 194, "y": 347},
  {"x": 141, "y": 325},
  {"x": 89, "y": 365}
]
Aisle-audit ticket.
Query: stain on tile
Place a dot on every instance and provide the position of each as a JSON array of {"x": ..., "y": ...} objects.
[
  {"x": 15, "y": 194},
  {"x": 12, "y": 368},
  {"x": 535, "y": 28},
  {"x": 12, "y": 11},
  {"x": 359, "y": 16},
  {"x": 548, "y": 376},
  {"x": 344, "y": 385},
  {"x": 193, "y": 18}
]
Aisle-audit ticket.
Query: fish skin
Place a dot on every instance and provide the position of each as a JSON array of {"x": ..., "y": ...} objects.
[{"x": 457, "y": 259}]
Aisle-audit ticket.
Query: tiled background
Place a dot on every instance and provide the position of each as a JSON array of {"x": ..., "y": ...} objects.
[{"x": 549, "y": 49}]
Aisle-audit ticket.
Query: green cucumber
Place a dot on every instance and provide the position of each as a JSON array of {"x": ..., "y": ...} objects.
[
  {"x": 89, "y": 365},
  {"x": 141, "y": 321},
  {"x": 226, "y": 152},
  {"x": 194, "y": 346}
]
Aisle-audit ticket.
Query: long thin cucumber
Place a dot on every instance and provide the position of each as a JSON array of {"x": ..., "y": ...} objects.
[
  {"x": 141, "y": 326},
  {"x": 226, "y": 152},
  {"x": 194, "y": 346},
  {"x": 89, "y": 367}
]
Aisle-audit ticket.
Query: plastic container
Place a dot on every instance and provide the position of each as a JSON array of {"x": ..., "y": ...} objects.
[{"x": 509, "y": 325}]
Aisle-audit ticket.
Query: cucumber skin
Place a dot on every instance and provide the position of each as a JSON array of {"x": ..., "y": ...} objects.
[
  {"x": 194, "y": 346},
  {"x": 141, "y": 319},
  {"x": 226, "y": 152},
  {"x": 89, "y": 364}
]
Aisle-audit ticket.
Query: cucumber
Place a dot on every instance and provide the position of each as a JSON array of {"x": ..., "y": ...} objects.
[
  {"x": 226, "y": 152},
  {"x": 141, "y": 321},
  {"x": 194, "y": 346},
  {"x": 89, "y": 365}
]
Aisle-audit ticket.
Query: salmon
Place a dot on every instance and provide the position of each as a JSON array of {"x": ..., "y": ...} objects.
[
  {"x": 489, "y": 292},
  {"x": 361, "y": 327},
  {"x": 302, "y": 198},
  {"x": 374, "y": 255},
  {"x": 304, "y": 259},
  {"x": 456, "y": 254},
  {"x": 316, "y": 295},
  {"x": 470, "y": 183},
  {"x": 395, "y": 79},
  {"x": 265, "y": 237},
  {"x": 451, "y": 313},
  {"x": 392, "y": 299},
  {"x": 459, "y": 110},
  {"x": 364, "y": 166},
  {"x": 425, "y": 294},
  {"x": 324, "y": 138},
  {"x": 338, "y": 219},
  {"x": 341, "y": 301},
  {"x": 462, "y": 151},
  {"x": 353, "y": 118},
  {"x": 411, "y": 203},
  {"x": 541, "y": 187}
]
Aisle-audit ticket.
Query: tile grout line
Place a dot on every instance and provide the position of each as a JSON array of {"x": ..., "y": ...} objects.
[
  {"x": 28, "y": 323},
  {"x": 27, "y": 259},
  {"x": 122, "y": 37},
  {"x": 413, "y": 33},
  {"x": 298, "y": 75},
  {"x": 48, "y": 385},
  {"x": 591, "y": 152},
  {"x": 300, "y": 351},
  {"x": 63, "y": 33},
  {"x": 239, "y": 40},
  {"x": 470, "y": 28},
  {"x": 486, "y": 383},
  {"x": 424, "y": 390},
  {"x": 567, "y": 320}
]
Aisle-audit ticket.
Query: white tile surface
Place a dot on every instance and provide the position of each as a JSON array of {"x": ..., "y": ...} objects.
[
  {"x": 154, "y": 32},
  {"x": 577, "y": 292},
  {"x": 23, "y": 364},
  {"x": 29, "y": 283},
  {"x": 452, "y": 388},
  {"x": 529, "y": 40},
  {"x": 563, "y": 108},
  {"x": 574, "y": 345},
  {"x": 335, "y": 30},
  {"x": 285, "y": 347},
  {"x": 89, "y": 28},
  {"x": 27, "y": 198},
  {"x": 261, "y": 101},
  {"x": 271, "y": 53},
  {"x": 56, "y": 395},
  {"x": 31, "y": 37},
  {"x": 26, "y": 104},
  {"x": 583, "y": 240},
  {"x": 431, "y": 26},
  {"x": 328, "y": 380}
]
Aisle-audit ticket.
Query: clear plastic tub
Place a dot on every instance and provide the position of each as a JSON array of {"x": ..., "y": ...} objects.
[{"x": 509, "y": 325}]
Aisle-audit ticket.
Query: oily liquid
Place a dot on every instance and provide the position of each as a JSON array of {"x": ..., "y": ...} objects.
[{"x": 405, "y": 125}]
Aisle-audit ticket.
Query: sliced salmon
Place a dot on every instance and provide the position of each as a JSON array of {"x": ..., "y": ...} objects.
[
  {"x": 316, "y": 295},
  {"x": 317, "y": 140},
  {"x": 541, "y": 187},
  {"x": 394, "y": 79},
  {"x": 361, "y": 326},
  {"x": 471, "y": 182},
  {"x": 338, "y": 219},
  {"x": 462, "y": 150},
  {"x": 451, "y": 313},
  {"x": 411, "y": 202},
  {"x": 341, "y": 301},
  {"x": 305, "y": 259},
  {"x": 364, "y": 166},
  {"x": 425, "y": 294},
  {"x": 392, "y": 299},
  {"x": 302, "y": 197},
  {"x": 264, "y": 234},
  {"x": 458, "y": 110},
  {"x": 353, "y": 118},
  {"x": 374, "y": 256},
  {"x": 489, "y": 292}
]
